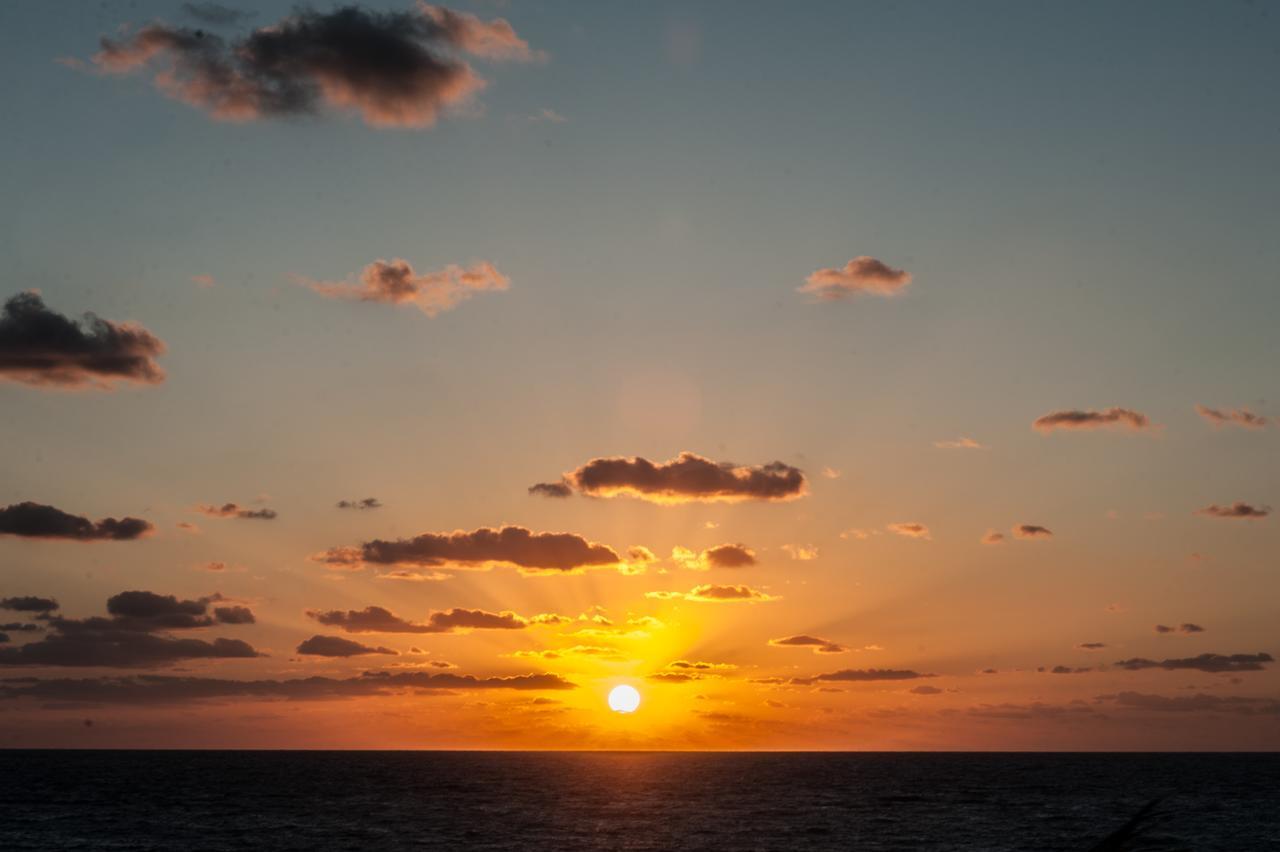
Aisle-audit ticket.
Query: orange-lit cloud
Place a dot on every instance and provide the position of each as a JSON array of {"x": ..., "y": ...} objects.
[
  {"x": 993, "y": 537},
  {"x": 509, "y": 545},
  {"x": 234, "y": 510},
  {"x": 711, "y": 593},
  {"x": 686, "y": 479},
  {"x": 395, "y": 282},
  {"x": 1241, "y": 417},
  {"x": 1111, "y": 418},
  {"x": 803, "y": 640},
  {"x": 40, "y": 347},
  {"x": 36, "y": 520},
  {"x": 910, "y": 530},
  {"x": 1032, "y": 531},
  {"x": 396, "y": 69},
  {"x": 1237, "y": 510},
  {"x": 959, "y": 444},
  {"x": 1187, "y": 628},
  {"x": 801, "y": 552},
  {"x": 375, "y": 619},
  {"x": 720, "y": 556},
  {"x": 862, "y": 675},
  {"x": 863, "y": 274}
]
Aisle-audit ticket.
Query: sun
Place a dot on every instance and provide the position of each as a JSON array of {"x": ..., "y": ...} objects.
[{"x": 624, "y": 699}]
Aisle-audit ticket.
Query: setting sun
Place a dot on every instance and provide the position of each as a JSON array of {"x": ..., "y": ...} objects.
[{"x": 624, "y": 699}]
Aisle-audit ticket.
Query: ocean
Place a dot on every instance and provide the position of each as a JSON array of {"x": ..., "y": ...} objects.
[{"x": 237, "y": 800}]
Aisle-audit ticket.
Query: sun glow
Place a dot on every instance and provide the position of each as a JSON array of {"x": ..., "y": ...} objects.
[{"x": 624, "y": 699}]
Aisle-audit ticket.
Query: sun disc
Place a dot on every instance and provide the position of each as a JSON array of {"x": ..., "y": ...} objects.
[{"x": 624, "y": 699}]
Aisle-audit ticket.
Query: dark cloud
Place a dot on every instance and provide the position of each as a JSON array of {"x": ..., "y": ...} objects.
[
  {"x": 1241, "y": 417},
  {"x": 803, "y": 640},
  {"x": 688, "y": 478},
  {"x": 130, "y": 638},
  {"x": 1068, "y": 670},
  {"x": 863, "y": 274},
  {"x": 366, "y": 503},
  {"x": 509, "y": 546},
  {"x": 42, "y": 347},
  {"x": 720, "y": 556},
  {"x": 1212, "y": 663},
  {"x": 396, "y": 283},
  {"x": 375, "y": 619},
  {"x": 234, "y": 510},
  {"x": 159, "y": 689},
  {"x": 396, "y": 69},
  {"x": 1238, "y": 510},
  {"x": 336, "y": 646},
  {"x": 214, "y": 14},
  {"x": 29, "y": 603},
  {"x": 1186, "y": 627},
  {"x": 711, "y": 593},
  {"x": 1112, "y": 418},
  {"x": 925, "y": 690},
  {"x": 233, "y": 615},
  {"x": 860, "y": 675},
  {"x": 551, "y": 489},
  {"x": 36, "y": 520},
  {"x": 673, "y": 677},
  {"x": 1032, "y": 531},
  {"x": 1198, "y": 703},
  {"x": 1091, "y": 646},
  {"x": 21, "y": 627}
]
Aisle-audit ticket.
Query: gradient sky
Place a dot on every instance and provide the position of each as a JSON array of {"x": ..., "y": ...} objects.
[{"x": 1074, "y": 206}]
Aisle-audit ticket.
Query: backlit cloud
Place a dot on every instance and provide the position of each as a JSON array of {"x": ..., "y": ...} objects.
[
  {"x": 1213, "y": 663},
  {"x": 375, "y": 619},
  {"x": 1111, "y": 418},
  {"x": 36, "y": 520},
  {"x": 863, "y": 274},
  {"x": 41, "y": 347},
  {"x": 1032, "y": 531},
  {"x": 1187, "y": 628},
  {"x": 363, "y": 504},
  {"x": 510, "y": 545},
  {"x": 686, "y": 479},
  {"x": 910, "y": 530},
  {"x": 336, "y": 646},
  {"x": 804, "y": 640},
  {"x": 1242, "y": 417},
  {"x": 28, "y": 603},
  {"x": 861, "y": 675},
  {"x": 395, "y": 282},
  {"x": 1237, "y": 510},
  {"x": 720, "y": 556},
  {"x": 395, "y": 69},
  {"x": 234, "y": 510},
  {"x": 710, "y": 593}
]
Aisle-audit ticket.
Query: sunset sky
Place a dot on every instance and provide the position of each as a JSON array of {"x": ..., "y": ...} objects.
[{"x": 839, "y": 375}]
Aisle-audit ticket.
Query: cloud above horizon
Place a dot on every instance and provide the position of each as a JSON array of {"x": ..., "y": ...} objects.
[
  {"x": 1032, "y": 531},
  {"x": 861, "y": 676},
  {"x": 1242, "y": 417},
  {"x": 376, "y": 619},
  {"x": 1079, "y": 419},
  {"x": 393, "y": 69},
  {"x": 863, "y": 274},
  {"x": 719, "y": 556},
  {"x": 689, "y": 478},
  {"x": 711, "y": 593},
  {"x": 910, "y": 530},
  {"x": 234, "y": 510},
  {"x": 336, "y": 646},
  {"x": 1212, "y": 663},
  {"x": 1238, "y": 510},
  {"x": 43, "y": 348},
  {"x": 510, "y": 545},
  {"x": 36, "y": 520},
  {"x": 804, "y": 640},
  {"x": 395, "y": 282}
]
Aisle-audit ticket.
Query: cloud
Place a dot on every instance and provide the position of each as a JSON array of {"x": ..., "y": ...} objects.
[
  {"x": 720, "y": 556},
  {"x": 509, "y": 545},
  {"x": 233, "y": 510},
  {"x": 159, "y": 689},
  {"x": 1112, "y": 418},
  {"x": 28, "y": 603},
  {"x": 831, "y": 473},
  {"x": 1212, "y": 663},
  {"x": 1067, "y": 670},
  {"x": 861, "y": 675},
  {"x": 375, "y": 619},
  {"x": 910, "y": 530},
  {"x": 1091, "y": 646},
  {"x": 233, "y": 615},
  {"x": 993, "y": 537},
  {"x": 959, "y": 444},
  {"x": 689, "y": 478},
  {"x": 1032, "y": 531},
  {"x": 35, "y": 520},
  {"x": 336, "y": 646},
  {"x": 395, "y": 282},
  {"x": 1237, "y": 510},
  {"x": 395, "y": 69},
  {"x": 551, "y": 489},
  {"x": 204, "y": 280},
  {"x": 863, "y": 274},
  {"x": 709, "y": 593},
  {"x": 364, "y": 504},
  {"x": 801, "y": 552},
  {"x": 803, "y": 640},
  {"x": 925, "y": 689},
  {"x": 131, "y": 637},
  {"x": 1187, "y": 628},
  {"x": 41, "y": 347},
  {"x": 1198, "y": 703},
  {"x": 1241, "y": 417}
]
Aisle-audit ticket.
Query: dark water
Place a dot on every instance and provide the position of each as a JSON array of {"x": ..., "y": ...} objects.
[{"x": 627, "y": 801}]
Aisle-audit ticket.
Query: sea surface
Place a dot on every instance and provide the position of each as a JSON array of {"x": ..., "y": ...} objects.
[{"x": 209, "y": 800}]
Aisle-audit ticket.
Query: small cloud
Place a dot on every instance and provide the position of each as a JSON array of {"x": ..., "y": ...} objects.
[
  {"x": 336, "y": 646},
  {"x": 362, "y": 504},
  {"x": 1186, "y": 628},
  {"x": 413, "y": 576},
  {"x": 801, "y": 552},
  {"x": 234, "y": 510},
  {"x": 863, "y": 274},
  {"x": 925, "y": 690},
  {"x": 710, "y": 593},
  {"x": 188, "y": 528},
  {"x": 551, "y": 489},
  {"x": 720, "y": 556},
  {"x": 910, "y": 530},
  {"x": 36, "y": 520},
  {"x": 959, "y": 444},
  {"x": 478, "y": 549},
  {"x": 858, "y": 534},
  {"x": 862, "y": 675},
  {"x": 1090, "y": 646},
  {"x": 395, "y": 282},
  {"x": 831, "y": 473},
  {"x": 1032, "y": 531},
  {"x": 1237, "y": 510},
  {"x": 1242, "y": 417},
  {"x": 1211, "y": 663},
  {"x": 1111, "y": 418},
  {"x": 204, "y": 281},
  {"x": 688, "y": 478},
  {"x": 993, "y": 537},
  {"x": 803, "y": 640}
]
